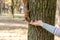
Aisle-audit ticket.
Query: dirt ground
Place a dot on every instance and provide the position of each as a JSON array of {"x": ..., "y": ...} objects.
[
  {"x": 16, "y": 34},
  {"x": 13, "y": 30}
]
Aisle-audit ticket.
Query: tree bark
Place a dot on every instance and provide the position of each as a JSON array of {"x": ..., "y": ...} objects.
[{"x": 41, "y": 10}]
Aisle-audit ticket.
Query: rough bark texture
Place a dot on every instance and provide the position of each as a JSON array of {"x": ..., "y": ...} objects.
[{"x": 41, "y": 10}]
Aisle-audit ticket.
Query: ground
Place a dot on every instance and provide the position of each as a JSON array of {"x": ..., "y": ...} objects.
[{"x": 13, "y": 29}]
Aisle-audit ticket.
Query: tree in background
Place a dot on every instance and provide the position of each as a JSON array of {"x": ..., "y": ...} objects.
[
  {"x": 1, "y": 6},
  {"x": 12, "y": 7},
  {"x": 15, "y": 6},
  {"x": 41, "y": 10}
]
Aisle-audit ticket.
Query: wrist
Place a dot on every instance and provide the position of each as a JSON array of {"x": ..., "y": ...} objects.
[{"x": 40, "y": 23}]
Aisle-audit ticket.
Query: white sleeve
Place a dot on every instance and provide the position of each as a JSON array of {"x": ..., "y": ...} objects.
[
  {"x": 49, "y": 28},
  {"x": 57, "y": 32}
]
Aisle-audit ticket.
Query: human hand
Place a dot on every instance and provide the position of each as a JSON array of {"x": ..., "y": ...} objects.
[{"x": 37, "y": 23}]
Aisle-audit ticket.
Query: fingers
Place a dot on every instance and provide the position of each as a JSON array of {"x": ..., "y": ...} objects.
[{"x": 31, "y": 22}]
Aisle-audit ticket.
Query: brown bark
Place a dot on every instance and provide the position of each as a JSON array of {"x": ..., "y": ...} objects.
[{"x": 41, "y": 10}]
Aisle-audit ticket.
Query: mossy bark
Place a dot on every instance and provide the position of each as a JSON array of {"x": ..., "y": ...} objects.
[{"x": 41, "y": 10}]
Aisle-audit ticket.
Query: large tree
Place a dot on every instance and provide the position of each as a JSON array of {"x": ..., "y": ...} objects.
[{"x": 41, "y": 10}]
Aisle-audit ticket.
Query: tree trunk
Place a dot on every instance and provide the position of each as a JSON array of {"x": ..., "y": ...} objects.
[
  {"x": 41, "y": 10},
  {"x": 12, "y": 7}
]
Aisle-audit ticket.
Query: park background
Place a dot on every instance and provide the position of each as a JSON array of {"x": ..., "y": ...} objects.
[{"x": 12, "y": 24}]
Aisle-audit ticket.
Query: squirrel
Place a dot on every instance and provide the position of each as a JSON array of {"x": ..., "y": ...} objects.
[
  {"x": 26, "y": 4},
  {"x": 27, "y": 16}
]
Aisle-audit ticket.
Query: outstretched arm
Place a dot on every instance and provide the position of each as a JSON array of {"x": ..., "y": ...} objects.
[{"x": 52, "y": 29}]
